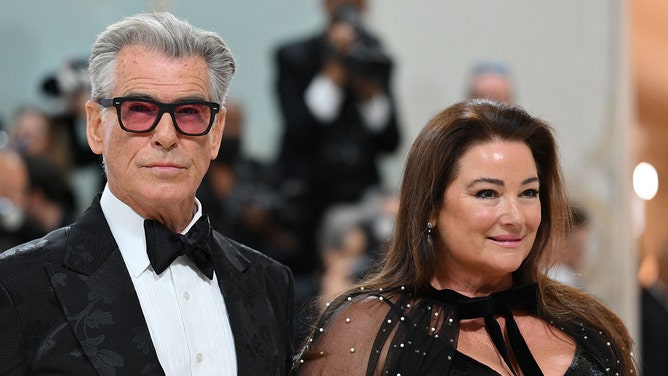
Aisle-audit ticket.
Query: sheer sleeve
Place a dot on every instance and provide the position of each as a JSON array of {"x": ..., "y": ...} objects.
[
  {"x": 343, "y": 342},
  {"x": 381, "y": 333}
]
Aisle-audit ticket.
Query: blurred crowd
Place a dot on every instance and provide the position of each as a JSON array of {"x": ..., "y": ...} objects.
[{"x": 47, "y": 172}]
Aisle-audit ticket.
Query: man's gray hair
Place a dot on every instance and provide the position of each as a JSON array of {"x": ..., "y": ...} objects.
[{"x": 164, "y": 33}]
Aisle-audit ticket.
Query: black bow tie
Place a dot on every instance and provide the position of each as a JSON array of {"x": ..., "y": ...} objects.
[{"x": 163, "y": 246}]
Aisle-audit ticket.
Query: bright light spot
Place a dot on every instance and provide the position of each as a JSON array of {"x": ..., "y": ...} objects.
[{"x": 645, "y": 181}]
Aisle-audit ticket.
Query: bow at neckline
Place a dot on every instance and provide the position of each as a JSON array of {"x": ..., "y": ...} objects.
[{"x": 499, "y": 303}]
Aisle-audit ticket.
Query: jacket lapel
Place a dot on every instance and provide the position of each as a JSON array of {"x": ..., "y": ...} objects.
[
  {"x": 99, "y": 300},
  {"x": 247, "y": 308}
]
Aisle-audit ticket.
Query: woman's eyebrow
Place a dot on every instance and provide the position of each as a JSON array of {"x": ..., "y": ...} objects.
[
  {"x": 530, "y": 180},
  {"x": 500, "y": 182},
  {"x": 494, "y": 181}
]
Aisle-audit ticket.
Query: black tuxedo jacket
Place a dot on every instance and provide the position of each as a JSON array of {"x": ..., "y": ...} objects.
[{"x": 68, "y": 306}]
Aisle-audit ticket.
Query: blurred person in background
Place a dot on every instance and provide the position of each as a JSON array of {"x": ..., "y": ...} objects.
[
  {"x": 35, "y": 198},
  {"x": 352, "y": 239},
  {"x": 240, "y": 199},
  {"x": 15, "y": 227},
  {"x": 33, "y": 134},
  {"x": 339, "y": 116},
  {"x": 69, "y": 86},
  {"x": 491, "y": 80},
  {"x": 4, "y": 135},
  {"x": 569, "y": 270},
  {"x": 654, "y": 319},
  {"x": 51, "y": 201}
]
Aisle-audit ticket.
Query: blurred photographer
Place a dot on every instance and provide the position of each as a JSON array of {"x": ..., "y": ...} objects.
[
  {"x": 338, "y": 114},
  {"x": 69, "y": 88},
  {"x": 15, "y": 228}
]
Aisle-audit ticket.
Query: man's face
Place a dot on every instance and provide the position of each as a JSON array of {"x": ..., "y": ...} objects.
[{"x": 158, "y": 172}]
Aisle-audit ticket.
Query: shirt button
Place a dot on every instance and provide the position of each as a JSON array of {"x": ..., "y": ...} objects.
[
  {"x": 186, "y": 295},
  {"x": 199, "y": 357}
]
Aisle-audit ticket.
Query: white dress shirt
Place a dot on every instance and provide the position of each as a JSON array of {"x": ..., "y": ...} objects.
[{"x": 184, "y": 310}]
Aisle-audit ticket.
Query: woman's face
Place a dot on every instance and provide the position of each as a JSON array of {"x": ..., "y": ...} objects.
[{"x": 489, "y": 217}]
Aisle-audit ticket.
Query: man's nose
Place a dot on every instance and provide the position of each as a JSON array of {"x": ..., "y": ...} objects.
[{"x": 165, "y": 133}]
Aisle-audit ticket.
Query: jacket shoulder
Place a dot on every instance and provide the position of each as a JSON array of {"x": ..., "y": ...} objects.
[
  {"x": 232, "y": 247},
  {"x": 36, "y": 248}
]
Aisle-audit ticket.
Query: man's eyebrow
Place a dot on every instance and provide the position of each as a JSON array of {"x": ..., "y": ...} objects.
[
  {"x": 188, "y": 98},
  {"x": 500, "y": 182},
  {"x": 139, "y": 96},
  {"x": 192, "y": 98}
]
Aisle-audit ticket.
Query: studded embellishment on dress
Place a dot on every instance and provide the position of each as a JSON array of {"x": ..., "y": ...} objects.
[{"x": 412, "y": 330}]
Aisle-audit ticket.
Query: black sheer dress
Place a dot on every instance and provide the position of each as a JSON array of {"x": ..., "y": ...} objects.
[{"x": 394, "y": 332}]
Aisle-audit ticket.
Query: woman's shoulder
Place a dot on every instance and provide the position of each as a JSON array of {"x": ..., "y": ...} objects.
[
  {"x": 381, "y": 329},
  {"x": 594, "y": 327},
  {"x": 344, "y": 336},
  {"x": 356, "y": 313}
]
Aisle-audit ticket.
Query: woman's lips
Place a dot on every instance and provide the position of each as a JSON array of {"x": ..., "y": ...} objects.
[{"x": 507, "y": 240}]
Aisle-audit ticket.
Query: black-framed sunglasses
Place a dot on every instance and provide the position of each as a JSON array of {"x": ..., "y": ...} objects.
[{"x": 139, "y": 115}]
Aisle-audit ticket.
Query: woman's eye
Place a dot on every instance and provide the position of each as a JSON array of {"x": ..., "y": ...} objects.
[
  {"x": 530, "y": 193},
  {"x": 485, "y": 194}
]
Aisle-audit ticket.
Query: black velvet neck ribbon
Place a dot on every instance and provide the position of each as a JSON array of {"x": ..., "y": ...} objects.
[{"x": 500, "y": 303}]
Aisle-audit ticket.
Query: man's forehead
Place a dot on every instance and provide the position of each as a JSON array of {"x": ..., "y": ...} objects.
[{"x": 151, "y": 74}]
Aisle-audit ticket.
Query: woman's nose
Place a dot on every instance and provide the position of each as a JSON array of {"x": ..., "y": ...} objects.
[{"x": 512, "y": 212}]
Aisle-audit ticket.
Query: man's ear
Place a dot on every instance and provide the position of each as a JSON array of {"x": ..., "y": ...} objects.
[
  {"x": 217, "y": 132},
  {"x": 94, "y": 127}
]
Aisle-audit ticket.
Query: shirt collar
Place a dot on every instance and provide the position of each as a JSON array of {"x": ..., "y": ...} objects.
[{"x": 127, "y": 227}]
